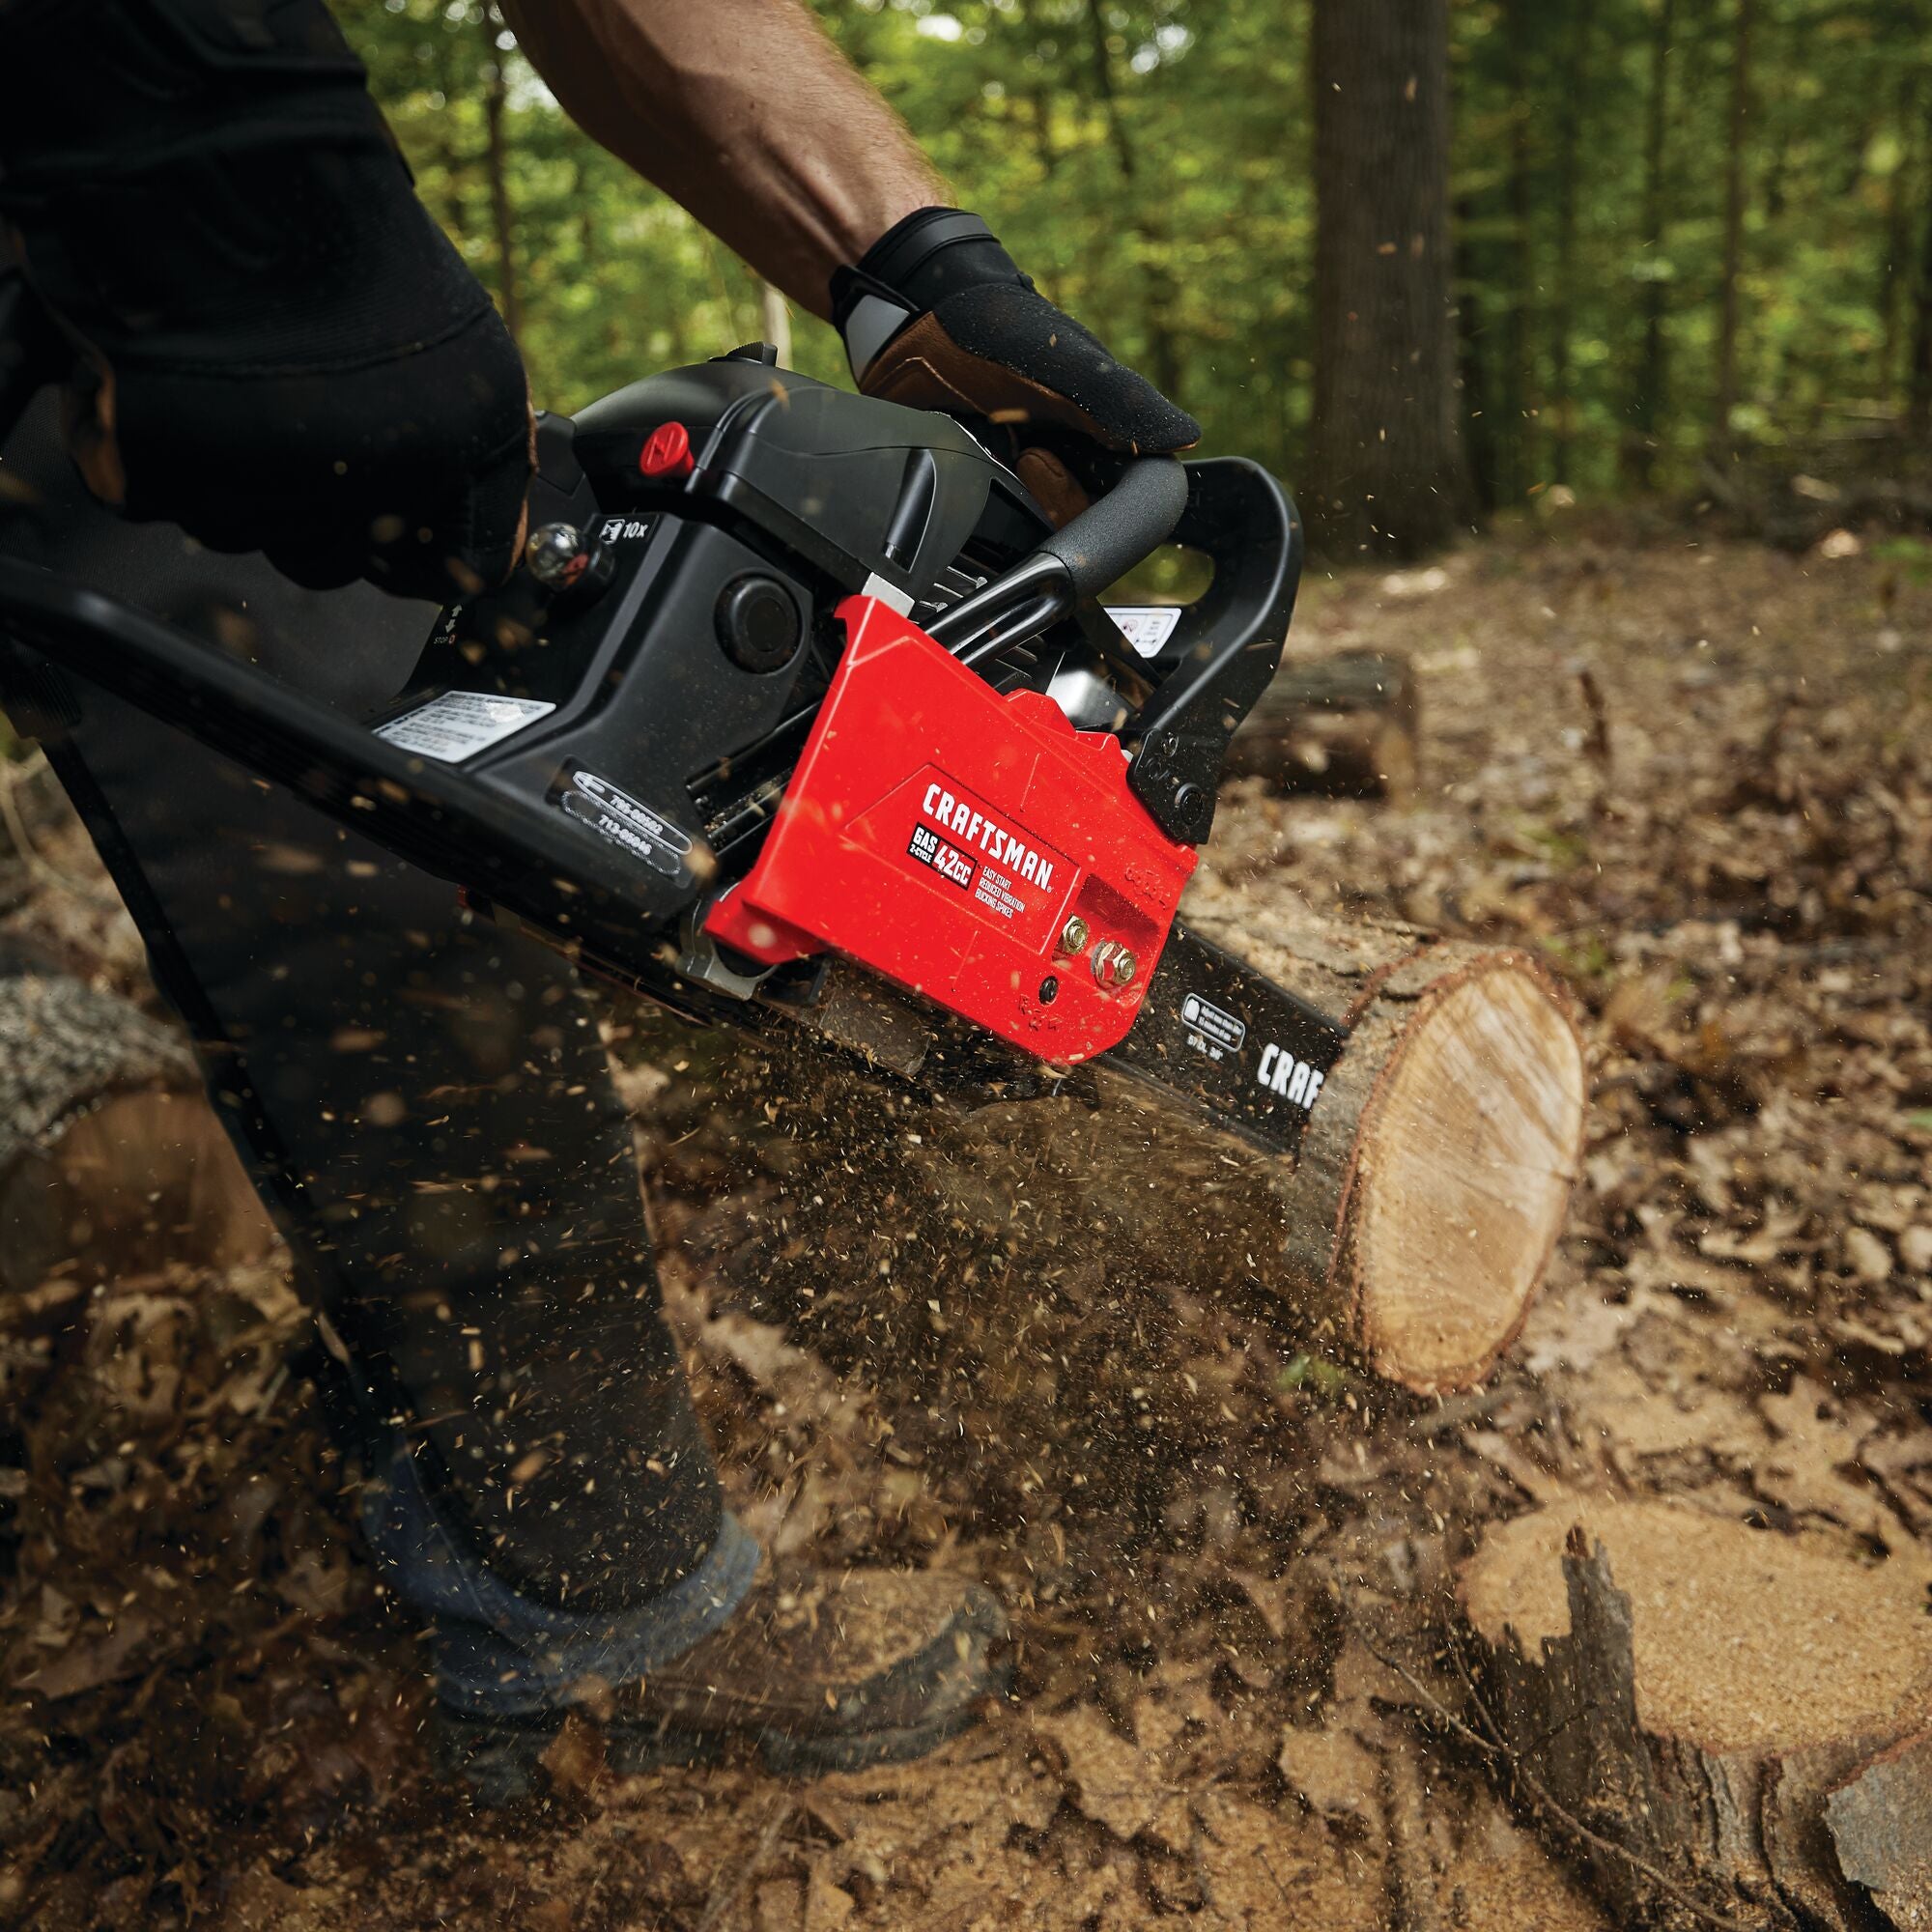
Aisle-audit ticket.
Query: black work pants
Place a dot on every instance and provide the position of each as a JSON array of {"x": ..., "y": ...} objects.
[{"x": 423, "y": 1100}]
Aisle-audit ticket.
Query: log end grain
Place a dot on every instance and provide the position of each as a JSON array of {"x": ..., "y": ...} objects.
[
  {"x": 1432, "y": 1181},
  {"x": 1467, "y": 1146}
]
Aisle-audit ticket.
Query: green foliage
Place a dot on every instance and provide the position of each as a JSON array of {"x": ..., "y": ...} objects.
[
  {"x": 1911, "y": 556},
  {"x": 1839, "y": 193},
  {"x": 1315, "y": 1374},
  {"x": 1149, "y": 162}
]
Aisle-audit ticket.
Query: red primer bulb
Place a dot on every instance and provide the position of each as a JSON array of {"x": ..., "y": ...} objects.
[{"x": 667, "y": 452}]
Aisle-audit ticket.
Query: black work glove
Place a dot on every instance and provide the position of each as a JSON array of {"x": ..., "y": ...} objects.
[
  {"x": 938, "y": 316},
  {"x": 271, "y": 343}
]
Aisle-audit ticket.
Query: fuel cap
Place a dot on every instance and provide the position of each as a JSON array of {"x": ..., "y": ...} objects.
[{"x": 759, "y": 623}]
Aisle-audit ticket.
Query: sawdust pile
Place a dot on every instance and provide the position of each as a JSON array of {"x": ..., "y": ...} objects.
[{"x": 1699, "y": 778}]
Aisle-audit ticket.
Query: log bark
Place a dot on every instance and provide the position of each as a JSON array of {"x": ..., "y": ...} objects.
[
  {"x": 1345, "y": 727},
  {"x": 1881, "y": 1824},
  {"x": 110, "y": 1158},
  {"x": 1677, "y": 1696}
]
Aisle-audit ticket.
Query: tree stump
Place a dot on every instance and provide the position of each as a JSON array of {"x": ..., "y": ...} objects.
[
  {"x": 1680, "y": 1729},
  {"x": 110, "y": 1157},
  {"x": 1345, "y": 727}
]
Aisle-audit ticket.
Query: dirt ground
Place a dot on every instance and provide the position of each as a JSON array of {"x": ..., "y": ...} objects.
[{"x": 1697, "y": 774}]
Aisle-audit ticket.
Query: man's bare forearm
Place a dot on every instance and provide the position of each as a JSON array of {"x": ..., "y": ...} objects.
[{"x": 743, "y": 111}]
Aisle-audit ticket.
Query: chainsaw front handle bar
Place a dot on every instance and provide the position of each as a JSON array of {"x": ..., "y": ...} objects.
[
  {"x": 1133, "y": 519},
  {"x": 1226, "y": 645},
  {"x": 1102, "y": 544}
]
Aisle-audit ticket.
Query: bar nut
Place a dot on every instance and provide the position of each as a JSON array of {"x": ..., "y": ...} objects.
[{"x": 1114, "y": 966}]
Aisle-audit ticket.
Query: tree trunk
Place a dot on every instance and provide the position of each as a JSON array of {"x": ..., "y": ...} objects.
[
  {"x": 1918, "y": 411},
  {"x": 1563, "y": 306},
  {"x": 1722, "y": 445},
  {"x": 1516, "y": 433},
  {"x": 110, "y": 1159},
  {"x": 1038, "y": 89},
  {"x": 1476, "y": 401},
  {"x": 1647, "y": 389},
  {"x": 775, "y": 319},
  {"x": 496, "y": 158},
  {"x": 1679, "y": 1730},
  {"x": 1389, "y": 476},
  {"x": 1345, "y": 726},
  {"x": 1162, "y": 295},
  {"x": 1893, "y": 273}
]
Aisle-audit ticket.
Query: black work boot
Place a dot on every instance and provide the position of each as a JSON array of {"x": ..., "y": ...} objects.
[
  {"x": 816, "y": 1670},
  {"x": 811, "y": 1669}
]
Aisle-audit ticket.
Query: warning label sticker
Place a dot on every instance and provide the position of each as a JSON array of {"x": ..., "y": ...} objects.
[
  {"x": 1209, "y": 1030},
  {"x": 459, "y": 724},
  {"x": 626, "y": 821},
  {"x": 1147, "y": 627}
]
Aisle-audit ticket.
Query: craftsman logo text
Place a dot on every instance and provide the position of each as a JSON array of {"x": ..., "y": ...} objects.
[
  {"x": 972, "y": 827},
  {"x": 1291, "y": 1078}
]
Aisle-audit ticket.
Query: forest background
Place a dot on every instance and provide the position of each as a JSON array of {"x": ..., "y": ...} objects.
[{"x": 1427, "y": 261}]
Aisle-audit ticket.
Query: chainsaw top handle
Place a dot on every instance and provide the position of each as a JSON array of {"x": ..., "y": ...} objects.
[
  {"x": 1116, "y": 532},
  {"x": 1225, "y": 648}
]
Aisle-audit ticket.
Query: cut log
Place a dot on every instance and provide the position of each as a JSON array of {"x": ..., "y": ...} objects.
[
  {"x": 1347, "y": 726},
  {"x": 1675, "y": 1696},
  {"x": 1435, "y": 1175},
  {"x": 1412, "y": 1231},
  {"x": 110, "y": 1157}
]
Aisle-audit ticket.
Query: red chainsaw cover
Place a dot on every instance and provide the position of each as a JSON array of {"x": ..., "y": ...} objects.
[{"x": 945, "y": 836}]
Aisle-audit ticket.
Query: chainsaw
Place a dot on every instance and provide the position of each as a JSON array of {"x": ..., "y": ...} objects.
[{"x": 798, "y": 711}]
